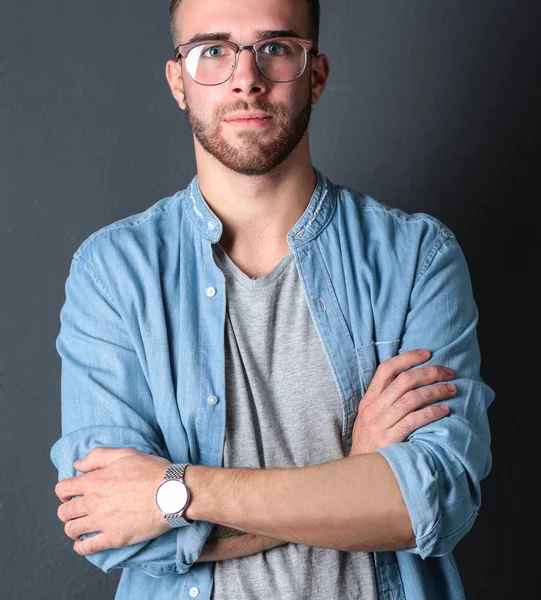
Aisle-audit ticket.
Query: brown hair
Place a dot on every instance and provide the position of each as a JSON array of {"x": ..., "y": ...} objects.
[{"x": 313, "y": 15}]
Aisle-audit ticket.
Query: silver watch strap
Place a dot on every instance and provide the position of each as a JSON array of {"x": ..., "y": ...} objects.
[{"x": 176, "y": 471}]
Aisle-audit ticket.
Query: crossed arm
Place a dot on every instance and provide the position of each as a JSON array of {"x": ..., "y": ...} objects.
[{"x": 352, "y": 503}]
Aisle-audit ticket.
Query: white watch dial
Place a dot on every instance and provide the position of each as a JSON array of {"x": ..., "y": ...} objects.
[{"x": 172, "y": 496}]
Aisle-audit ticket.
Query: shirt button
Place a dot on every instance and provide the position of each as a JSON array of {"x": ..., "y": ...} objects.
[
  {"x": 212, "y": 400},
  {"x": 211, "y": 224},
  {"x": 211, "y": 292},
  {"x": 194, "y": 592}
]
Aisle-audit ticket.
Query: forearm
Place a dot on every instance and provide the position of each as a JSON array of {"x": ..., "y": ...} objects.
[
  {"x": 350, "y": 504},
  {"x": 236, "y": 546}
]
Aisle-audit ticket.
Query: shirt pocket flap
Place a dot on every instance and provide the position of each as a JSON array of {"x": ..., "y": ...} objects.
[{"x": 369, "y": 356}]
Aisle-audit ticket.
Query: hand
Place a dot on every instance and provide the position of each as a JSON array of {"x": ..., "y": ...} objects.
[
  {"x": 118, "y": 499},
  {"x": 387, "y": 413}
]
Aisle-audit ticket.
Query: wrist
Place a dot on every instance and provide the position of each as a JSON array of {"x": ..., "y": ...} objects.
[
  {"x": 197, "y": 479},
  {"x": 173, "y": 496}
]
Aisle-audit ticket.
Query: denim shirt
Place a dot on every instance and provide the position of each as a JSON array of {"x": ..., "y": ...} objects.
[{"x": 142, "y": 348}]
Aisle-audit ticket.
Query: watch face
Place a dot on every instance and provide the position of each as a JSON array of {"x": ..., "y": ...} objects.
[{"x": 172, "y": 496}]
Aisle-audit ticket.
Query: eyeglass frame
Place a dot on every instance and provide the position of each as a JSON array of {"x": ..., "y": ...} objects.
[{"x": 182, "y": 50}]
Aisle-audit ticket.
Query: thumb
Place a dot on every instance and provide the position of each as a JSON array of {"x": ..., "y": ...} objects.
[{"x": 100, "y": 457}]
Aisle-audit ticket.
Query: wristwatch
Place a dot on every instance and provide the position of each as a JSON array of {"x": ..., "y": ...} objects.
[{"x": 173, "y": 496}]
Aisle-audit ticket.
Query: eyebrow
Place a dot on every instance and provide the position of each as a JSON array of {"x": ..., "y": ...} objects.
[{"x": 262, "y": 34}]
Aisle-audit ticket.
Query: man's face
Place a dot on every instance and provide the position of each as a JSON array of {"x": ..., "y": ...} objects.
[{"x": 244, "y": 147}]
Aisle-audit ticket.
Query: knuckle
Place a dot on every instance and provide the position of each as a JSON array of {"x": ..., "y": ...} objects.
[
  {"x": 386, "y": 365},
  {"x": 407, "y": 423},
  {"x": 443, "y": 391},
  {"x": 406, "y": 401},
  {"x": 433, "y": 371},
  {"x": 433, "y": 412},
  {"x": 404, "y": 427},
  {"x": 90, "y": 548},
  {"x": 437, "y": 410},
  {"x": 58, "y": 489},
  {"x": 80, "y": 549},
  {"x": 431, "y": 392},
  {"x": 68, "y": 529},
  {"x": 406, "y": 378},
  {"x": 60, "y": 512}
]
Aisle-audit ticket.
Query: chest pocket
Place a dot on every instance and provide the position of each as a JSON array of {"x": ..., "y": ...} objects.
[{"x": 371, "y": 355}]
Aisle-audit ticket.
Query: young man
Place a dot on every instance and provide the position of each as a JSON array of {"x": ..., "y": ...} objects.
[{"x": 329, "y": 325}]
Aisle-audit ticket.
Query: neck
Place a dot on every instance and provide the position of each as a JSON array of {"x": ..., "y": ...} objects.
[{"x": 258, "y": 209}]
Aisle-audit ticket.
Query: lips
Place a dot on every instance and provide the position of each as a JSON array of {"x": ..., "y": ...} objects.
[{"x": 248, "y": 116}]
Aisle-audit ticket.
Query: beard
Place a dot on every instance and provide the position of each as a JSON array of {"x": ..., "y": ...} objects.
[{"x": 261, "y": 152}]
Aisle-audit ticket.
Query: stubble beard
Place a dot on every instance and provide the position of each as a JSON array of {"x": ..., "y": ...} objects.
[{"x": 260, "y": 153}]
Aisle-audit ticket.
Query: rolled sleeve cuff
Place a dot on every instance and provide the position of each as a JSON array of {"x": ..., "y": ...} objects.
[
  {"x": 416, "y": 474},
  {"x": 415, "y": 470},
  {"x": 172, "y": 552}
]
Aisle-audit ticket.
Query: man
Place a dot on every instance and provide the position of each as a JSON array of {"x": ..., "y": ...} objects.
[{"x": 330, "y": 325}]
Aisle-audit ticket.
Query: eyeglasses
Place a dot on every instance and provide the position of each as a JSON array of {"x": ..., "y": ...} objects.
[{"x": 213, "y": 62}]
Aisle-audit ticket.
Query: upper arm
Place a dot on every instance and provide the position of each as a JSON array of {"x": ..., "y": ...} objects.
[
  {"x": 440, "y": 466},
  {"x": 103, "y": 386},
  {"x": 106, "y": 401}
]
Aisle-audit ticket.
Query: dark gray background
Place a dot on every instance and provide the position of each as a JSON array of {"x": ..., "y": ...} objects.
[{"x": 431, "y": 106}]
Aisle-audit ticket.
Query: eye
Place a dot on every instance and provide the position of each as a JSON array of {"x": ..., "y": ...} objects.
[
  {"x": 216, "y": 51},
  {"x": 274, "y": 49}
]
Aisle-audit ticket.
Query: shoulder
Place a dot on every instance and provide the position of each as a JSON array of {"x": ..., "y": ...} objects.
[
  {"x": 391, "y": 228},
  {"x": 386, "y": 216},
  {"x": 128, "y": 257},
  {"x": 133, "y": 235}
]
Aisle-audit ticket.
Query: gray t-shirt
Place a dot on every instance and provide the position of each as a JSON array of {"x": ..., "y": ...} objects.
[{"x": 282, "y": 410}]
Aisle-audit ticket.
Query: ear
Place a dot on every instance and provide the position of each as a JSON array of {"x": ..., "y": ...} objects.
[
  {"x": 173, "y": 73},
  {"x": 320, "y": 74}
]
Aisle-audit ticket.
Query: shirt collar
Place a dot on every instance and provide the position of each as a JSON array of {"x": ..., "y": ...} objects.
[{"x": 312, "y": 221}]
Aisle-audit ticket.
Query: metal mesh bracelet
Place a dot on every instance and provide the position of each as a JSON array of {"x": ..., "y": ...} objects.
[{"x": 176, "y": 471}]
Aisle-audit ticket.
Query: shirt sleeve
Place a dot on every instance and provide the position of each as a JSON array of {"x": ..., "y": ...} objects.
[
  {"x": 439, "y": 467},
  {"x": 106, "y": 401}
]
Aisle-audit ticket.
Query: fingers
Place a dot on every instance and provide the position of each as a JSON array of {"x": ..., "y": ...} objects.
[
  {"x": 407, "y": 381},
  {"x": 90, "y": 545},
  {"x": 413, "y": 400},
  {"x": 392, "y": 406},
  {"x": 69, "y": 487},
  {"x": 392, "y": 367},
  {"x": 101, "y": 456},
  {"x": 76, "y": 527},
  {"x": 71, "y": 510},
  {"x": 417, "y": 419}
]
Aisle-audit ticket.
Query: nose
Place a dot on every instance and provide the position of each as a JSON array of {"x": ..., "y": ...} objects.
[{"x": 247, "y": 78}]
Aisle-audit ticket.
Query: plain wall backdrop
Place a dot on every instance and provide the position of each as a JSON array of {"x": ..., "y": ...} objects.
[{"x": 431, "y": 106}]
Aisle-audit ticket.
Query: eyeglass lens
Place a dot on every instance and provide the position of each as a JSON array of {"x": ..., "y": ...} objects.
[{"x": 212, "y": 63}]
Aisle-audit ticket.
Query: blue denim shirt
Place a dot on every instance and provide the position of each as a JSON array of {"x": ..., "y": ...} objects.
[{"x": 142, "y": 348}]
